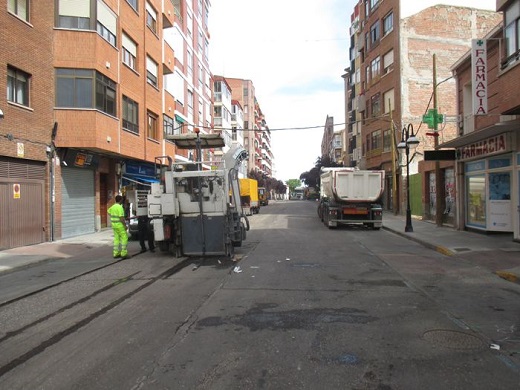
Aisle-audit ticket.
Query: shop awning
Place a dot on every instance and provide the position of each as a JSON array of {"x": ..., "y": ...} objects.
[
  {"x": 490, "y": 131},
  {"x": 139, "y": 179}
]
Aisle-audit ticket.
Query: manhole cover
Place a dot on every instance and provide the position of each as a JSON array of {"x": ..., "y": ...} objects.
[{"x": 453, "y": 339}]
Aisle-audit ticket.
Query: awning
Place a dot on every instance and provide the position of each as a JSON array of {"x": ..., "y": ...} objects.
[
  {"x": 474, "y": 136},
  {"x": 180, "y": 119},
  {"x": 189, "y": 141},
  {"x": 139, "y": 179}
]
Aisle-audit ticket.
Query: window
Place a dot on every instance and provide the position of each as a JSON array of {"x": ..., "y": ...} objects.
[
  {"x": 367, "y": 74},
  {"x": 17, "y": 86},
  {"x": 190, "y": 104},
  {"x": 388, "y": 103},
  {"x": 133, "y": 3},
  {"x": 375, "y": 102},
  {"x": 151, "y": 18},
  {"x": 152, "y": 126},
  {"x": 388, "y": 23},
  {"x": 387, "y": 141},
  {"x": 105, "y": 94},
  {"x": 74, "y": 14},
  {"x": 151, "y": 71},
  {"x": 189, "y": 61},
  {"x": 19, "y": 8},
  {"x": 375, "y": 33},
  {"x": 512, "y": 32},
  {"x": 375, "y": 67},
  {"x": 168, "y": 125},
  {"x": 85, "y": 88},
  {"x": 367, "y": 42},
  {"x": 388, "y": 62},
  {"x": 374, "y": 4},
  {"x": 130, "y": 115},
  {"x": 189, "y": 25},
  {"x": 106, "y": 23},
  {"x": 129, "y": 52},
  {"x": 376, "y": 139}
]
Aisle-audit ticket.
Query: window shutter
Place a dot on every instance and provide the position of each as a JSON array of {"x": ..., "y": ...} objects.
[
  {"x": 151, "y": 66},
  {"x": 106, "y": 17},
  {"x": 78, "y": 8},
  {"x": 129, "y": 45}
]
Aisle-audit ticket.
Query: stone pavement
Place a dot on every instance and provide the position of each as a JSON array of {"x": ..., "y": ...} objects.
[{"x": 496, "y": 252}]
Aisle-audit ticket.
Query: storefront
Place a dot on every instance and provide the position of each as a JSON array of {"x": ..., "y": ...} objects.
[{"x": 488, "y": 165}]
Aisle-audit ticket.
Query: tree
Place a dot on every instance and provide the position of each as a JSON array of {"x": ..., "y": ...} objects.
[
  {"x": 293, "y": 183},
  {"x": 311, "y": 178},
  {"x": 269, "y": 183}
]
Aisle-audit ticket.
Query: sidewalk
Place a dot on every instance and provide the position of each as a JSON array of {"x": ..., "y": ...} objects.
[
  {"x": 496, "y": 252},
  {"x": 26, "y": 256}
]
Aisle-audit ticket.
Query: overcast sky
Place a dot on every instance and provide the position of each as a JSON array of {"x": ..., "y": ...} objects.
[{"x": 295, "y": 52}]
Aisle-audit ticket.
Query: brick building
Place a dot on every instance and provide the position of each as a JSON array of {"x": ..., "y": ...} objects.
[
  {"x": 97, "y": 86},
  {"x": 26, "y": 124},
  {"x": 391, "y": 72},
  {"x": 488, "y": 145}
]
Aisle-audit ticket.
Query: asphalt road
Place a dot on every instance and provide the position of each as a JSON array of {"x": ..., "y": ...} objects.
[{"x": 308, "y": 308}]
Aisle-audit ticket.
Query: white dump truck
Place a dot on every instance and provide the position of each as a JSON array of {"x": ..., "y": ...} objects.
[
  {"x": 351, "y": 196},
  {"x": 195, "y": 209}
]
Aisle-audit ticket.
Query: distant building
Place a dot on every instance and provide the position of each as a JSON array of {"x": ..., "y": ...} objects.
[{"x": 257, "y": 136}]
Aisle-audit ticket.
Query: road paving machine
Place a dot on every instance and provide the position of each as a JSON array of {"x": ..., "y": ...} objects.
[{"x": 197, "y": 211}]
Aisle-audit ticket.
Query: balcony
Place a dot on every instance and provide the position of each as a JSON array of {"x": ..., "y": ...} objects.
[
  {"x": 168, "y": 60},
  {"x": 177, "y": 10},
  {"x": 168, "y": 12}
]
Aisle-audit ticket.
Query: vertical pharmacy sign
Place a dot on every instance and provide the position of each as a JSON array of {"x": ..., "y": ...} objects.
[{"x": 479, "y": 76}]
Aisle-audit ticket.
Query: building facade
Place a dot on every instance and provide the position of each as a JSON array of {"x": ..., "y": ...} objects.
[
  {"x": 94, "y": 89},
  {"x": 392, "y": 48},
  {"x": 256, "y": 133},
  {"x": 26, "y": 123},
  {"x": 488, "y": 145}
]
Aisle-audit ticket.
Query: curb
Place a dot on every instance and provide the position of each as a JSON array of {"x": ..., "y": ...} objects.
[
  {"x": 441, "y": 249},
  {"x": 509, "y": 276}
]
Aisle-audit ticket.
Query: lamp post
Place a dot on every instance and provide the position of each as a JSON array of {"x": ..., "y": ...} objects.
[{"x": 408, "y": 141}]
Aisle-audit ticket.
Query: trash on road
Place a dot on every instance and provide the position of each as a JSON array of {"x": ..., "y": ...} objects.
[
  {"x": 495, "y": 346},
  {"x": 237, "y": 270}
]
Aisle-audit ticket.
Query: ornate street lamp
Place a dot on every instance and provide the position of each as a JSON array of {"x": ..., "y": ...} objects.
[{"x": 408, "y": 141}]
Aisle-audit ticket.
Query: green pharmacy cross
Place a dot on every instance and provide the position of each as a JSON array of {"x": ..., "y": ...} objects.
[{"x": 433, "y": 118}]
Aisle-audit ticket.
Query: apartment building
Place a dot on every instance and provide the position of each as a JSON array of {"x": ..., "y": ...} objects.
[
  {"x": 327, "y": 140},
  {"x": 256, "y": 133},
  {"x": 392, "y": 48},
  {"x": 26, "y": 122},
  {"x": 488, "y": 145},
  {"x": 94, "y": 89}
]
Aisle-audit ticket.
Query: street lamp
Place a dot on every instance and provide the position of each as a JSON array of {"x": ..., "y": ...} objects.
[{"x": 408, "y": 141}]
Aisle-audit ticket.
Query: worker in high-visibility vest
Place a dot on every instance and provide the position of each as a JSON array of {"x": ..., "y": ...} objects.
[{"x": 117, "y": 217}]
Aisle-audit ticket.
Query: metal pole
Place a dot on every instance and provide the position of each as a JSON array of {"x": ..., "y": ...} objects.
[
  {"x": 439, "y": 196},
  {"x": 394, "y": 165},
  {"x": 408, "y": 228}
]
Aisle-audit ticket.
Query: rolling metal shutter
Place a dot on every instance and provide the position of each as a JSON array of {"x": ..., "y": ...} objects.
[
  {"x": 78, "y": 202},
  {"x": 22, "y": 217}
]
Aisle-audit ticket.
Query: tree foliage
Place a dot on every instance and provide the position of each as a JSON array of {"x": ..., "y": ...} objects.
[
  {"x": 311, "y": 178},
  {"x": 269, "y": 183},
  {"x": 292, "y": 184}
]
